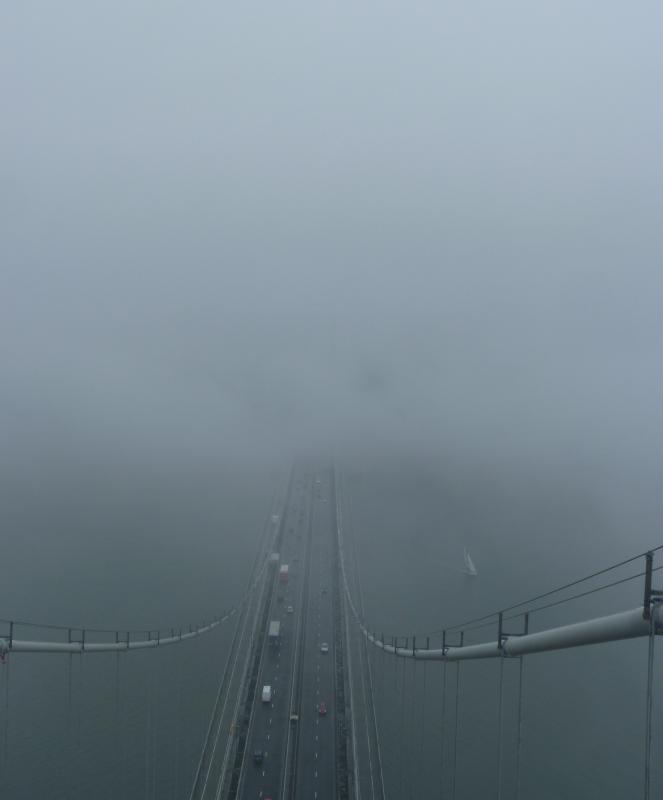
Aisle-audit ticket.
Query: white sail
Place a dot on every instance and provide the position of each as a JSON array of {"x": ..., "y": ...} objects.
[{"x": 469, "y": 564}]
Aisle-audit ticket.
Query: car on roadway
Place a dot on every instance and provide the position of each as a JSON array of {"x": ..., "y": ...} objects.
[
  {"x": 322, "y": 708},
  {"x": 324, "y": 647},
  {"x": 290, "y": 610},
  {"x": 258, "y": 756}
]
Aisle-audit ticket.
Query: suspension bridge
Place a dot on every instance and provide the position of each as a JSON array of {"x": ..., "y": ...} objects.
[{"x": 292, "y": 693}]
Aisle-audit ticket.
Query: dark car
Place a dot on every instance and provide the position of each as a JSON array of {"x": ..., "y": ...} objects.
[{"x": 258, "y": 756}]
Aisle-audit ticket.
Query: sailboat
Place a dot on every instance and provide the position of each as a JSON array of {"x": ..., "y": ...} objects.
[{"x": 470, "y": 569}]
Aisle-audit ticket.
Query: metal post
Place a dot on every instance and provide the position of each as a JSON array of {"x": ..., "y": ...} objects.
[{"x": 646, "y": 608}]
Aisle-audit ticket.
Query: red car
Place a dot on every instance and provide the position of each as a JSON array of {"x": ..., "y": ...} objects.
[{"x": 322, "y": 708}]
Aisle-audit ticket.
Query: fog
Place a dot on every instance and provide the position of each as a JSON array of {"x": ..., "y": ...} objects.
[
  {"x": 424, "y": 238},
  {"x": 233, "y": 235}
]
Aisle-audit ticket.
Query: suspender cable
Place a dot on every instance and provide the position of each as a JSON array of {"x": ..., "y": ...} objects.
[
  {"x": 155, "y": 728},
  {"x": 381, "y": 662},
  {"x": 394, "y": 738},
  {"x": 453, "y": 776},
  {"x": 444, "y": 724},
  {"x": 400, "y": 760},
  {"x": 177, "y": 726},
  {"x": 148, "y": 732},
  {"x": 519, "y": 744},
  {"x": 5, "y": 722},
  {"x": 69, "y": 669},
  {"x": 411, "y": 733},
  {"x": 423, "y": 721},
  {"x": 79, "y": 704},
  {"x": 69, "y": 723},
  {"x": 499, "y": 729},
  {"x": 124, "y": 741},
  {"x": 118, "y": 736},
  {"x": 650, "y": 699}
]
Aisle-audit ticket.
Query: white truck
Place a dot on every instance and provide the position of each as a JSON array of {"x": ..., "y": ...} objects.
[
  {"x": 274, "y": 634},
  {"x": 266, "y": 694}
]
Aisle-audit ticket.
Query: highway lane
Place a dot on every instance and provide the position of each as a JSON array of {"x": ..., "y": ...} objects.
[
  {"x": 299, "y": 759},
  {"x": 270, "y": 722},
  {"x": 315, "y": 773}
]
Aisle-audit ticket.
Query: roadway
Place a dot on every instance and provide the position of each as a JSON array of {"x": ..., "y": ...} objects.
[
  {"x": 298, "y": 756},
  {"x": 315, "y": 764}
]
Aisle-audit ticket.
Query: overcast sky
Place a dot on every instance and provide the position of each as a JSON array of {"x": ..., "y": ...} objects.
[{"x": 242, "y": 226}]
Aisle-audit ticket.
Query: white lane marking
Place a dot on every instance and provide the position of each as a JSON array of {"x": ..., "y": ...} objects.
[
  {"x": 316, "y": 755},
  {"x": 316, "y": 773},
  {"x": 263, "y": 773}
]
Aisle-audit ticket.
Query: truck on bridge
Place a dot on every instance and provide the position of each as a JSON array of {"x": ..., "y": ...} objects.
[
  {"x": 274, "y": 634},
  {"x": 284, "y": 573}
]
